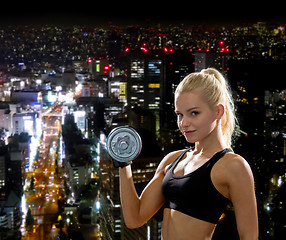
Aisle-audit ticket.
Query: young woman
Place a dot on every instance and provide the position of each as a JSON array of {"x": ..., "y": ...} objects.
[{"x": 196, "y": 184}]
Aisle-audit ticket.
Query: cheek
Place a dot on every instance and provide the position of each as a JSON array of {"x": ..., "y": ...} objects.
[
  {"x": 206, "y": 123},
  {"x": 179, "y": 124}
]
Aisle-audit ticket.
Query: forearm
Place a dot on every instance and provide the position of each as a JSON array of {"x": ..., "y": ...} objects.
[
  {"x": 129, "y": 199},
  {"x": 250, "y": 234},
  {"x": 249, "y": 237}
]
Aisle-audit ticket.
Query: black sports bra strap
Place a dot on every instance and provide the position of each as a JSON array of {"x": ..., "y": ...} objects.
[
  {"x": 183, "y": 153},
  {"x": 178, "y": 158},
  {"x": 218, "y": 156}
]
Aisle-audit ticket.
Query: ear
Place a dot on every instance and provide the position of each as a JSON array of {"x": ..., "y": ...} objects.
[{"x": 220, "y": 111}]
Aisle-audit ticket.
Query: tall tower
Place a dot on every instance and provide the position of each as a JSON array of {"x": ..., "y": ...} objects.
[
  {"x": 152, "y": 77},
  {"x": 144, "y": 80}
]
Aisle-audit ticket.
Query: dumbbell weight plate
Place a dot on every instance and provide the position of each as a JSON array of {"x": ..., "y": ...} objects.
[{"x": 124, "y": 144}]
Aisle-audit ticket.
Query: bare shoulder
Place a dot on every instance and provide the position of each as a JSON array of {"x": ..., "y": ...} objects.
[
  {"x": 235, "y": 162},
  {"x": 236, "y": 166},
  {"x": 232, "y": 173}
]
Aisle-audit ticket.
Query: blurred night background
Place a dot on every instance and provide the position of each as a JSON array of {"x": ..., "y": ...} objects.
[{"x": 71, "y": 72}]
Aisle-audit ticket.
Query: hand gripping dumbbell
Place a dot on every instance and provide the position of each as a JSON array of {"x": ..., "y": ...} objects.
[{"x": 123, "y": 145}]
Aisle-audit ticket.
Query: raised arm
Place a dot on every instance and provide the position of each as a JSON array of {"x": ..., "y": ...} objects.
[
  {"x": 242, "y": 195},
  {"x": 138, "y": 210}
]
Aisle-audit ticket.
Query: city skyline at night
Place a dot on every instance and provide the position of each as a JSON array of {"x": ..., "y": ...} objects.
[{"x": 70, "y": 74}]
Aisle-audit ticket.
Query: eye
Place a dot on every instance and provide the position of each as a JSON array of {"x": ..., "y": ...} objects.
[
  {"x": 179, "y": 114},
  {"x": 195, "y": 113}
]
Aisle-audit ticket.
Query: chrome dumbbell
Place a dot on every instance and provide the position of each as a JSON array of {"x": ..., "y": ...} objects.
[{"x": 124, "y": 144}]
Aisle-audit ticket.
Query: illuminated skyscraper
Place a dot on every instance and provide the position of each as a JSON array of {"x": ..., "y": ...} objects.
[{"x": 152, "y": 78}]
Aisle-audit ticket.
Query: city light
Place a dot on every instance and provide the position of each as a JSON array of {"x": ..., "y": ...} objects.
[
  {"x": 97, "y": 205},
  {"x": 145, "y": 50},
  {"x": 63, "y": 88}
]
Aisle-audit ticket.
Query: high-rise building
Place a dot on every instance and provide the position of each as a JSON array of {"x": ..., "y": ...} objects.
[
  {"x": 144, "y": 82},
  {"x": 152, "y": 77}
]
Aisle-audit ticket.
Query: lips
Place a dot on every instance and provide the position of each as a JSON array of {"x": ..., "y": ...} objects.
[{"x": 189, "y": 132}]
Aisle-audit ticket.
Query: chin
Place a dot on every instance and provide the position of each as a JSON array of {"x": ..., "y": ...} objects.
[{"x": 191, "y": 140}]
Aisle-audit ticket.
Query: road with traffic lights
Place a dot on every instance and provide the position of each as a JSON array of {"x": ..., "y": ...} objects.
[{"x": 43, "y": 185}]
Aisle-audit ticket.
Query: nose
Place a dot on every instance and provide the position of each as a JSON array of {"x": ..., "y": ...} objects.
[{"x": 185, "y": 122}]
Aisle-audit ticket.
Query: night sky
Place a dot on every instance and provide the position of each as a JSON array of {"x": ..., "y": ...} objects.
[{"x": 136, "y": 12}]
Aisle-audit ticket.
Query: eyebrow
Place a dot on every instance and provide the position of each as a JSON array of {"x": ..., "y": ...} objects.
[{"x": 190, "y": 109}]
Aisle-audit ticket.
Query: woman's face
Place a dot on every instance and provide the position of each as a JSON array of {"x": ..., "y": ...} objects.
[{"x": 196, "y": 120}]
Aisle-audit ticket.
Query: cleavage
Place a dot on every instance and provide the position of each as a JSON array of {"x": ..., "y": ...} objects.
[{"x": 189, "y": 164}]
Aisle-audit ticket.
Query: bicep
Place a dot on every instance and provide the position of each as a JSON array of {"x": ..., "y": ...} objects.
[
  {"x": 242, "y": 195},
  {"x": 151, "y": 199}
]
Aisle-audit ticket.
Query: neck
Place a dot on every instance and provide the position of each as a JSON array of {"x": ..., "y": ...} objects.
[{"x": 214, "y": 142}]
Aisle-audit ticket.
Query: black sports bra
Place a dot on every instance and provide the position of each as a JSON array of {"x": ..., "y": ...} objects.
[{"x": 194, "y": 194}]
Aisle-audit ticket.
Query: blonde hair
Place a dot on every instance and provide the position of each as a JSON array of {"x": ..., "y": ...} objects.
[{"x": 215, "y": 90}]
